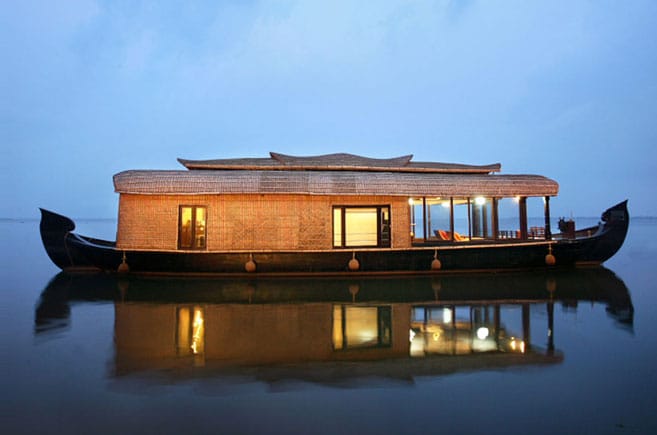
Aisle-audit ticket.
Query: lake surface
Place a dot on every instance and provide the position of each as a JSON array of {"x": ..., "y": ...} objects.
[{"x": 558, "y": 352}]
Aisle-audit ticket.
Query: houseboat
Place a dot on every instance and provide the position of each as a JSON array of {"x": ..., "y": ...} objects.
[{"x": 332, "y": 214}]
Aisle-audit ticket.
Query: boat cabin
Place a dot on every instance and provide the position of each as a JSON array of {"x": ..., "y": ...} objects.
[{"x": 331, "y": 202}]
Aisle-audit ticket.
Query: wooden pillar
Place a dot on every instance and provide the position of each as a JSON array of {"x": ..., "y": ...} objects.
[
  {"x": 451, "y": 218},
  {"x": 469, "y": 221},
  {"x": 484, "y": 220},
  {"x": 548, "y": 232},
  {"x": 522, "y": 205},
  {"x": 412, "y": 206},
  {"x": 430, "y": 234},
  {"x": 424, "y": 218},
  {"x": 495, "y": 218},
  {"x": 476, "y": 221}
]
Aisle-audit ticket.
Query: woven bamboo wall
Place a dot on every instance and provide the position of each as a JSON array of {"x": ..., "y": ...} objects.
[{"x": 247, "y": 222}]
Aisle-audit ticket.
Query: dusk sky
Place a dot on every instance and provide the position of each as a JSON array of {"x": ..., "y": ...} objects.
[{"x": 566, "y": 89}]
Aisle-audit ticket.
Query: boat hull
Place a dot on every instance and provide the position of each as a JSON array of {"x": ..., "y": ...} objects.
[{"x": 70, "y": 251}]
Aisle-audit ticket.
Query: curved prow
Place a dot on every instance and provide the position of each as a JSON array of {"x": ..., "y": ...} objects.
[
  {"x": 55, "y": 235},
  {"x": 617, "y": 215},
  {"x": 616, "y": 221}
]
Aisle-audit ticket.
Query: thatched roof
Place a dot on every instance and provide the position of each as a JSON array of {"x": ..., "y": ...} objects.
[
  {"x": 322, "y": 182},
  {"x": 338, "y": 162}
]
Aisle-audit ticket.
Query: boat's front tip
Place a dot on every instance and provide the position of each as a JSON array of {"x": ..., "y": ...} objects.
[
  {"x": 617, "y": 215},
  {"x": 616, "y": 221}
]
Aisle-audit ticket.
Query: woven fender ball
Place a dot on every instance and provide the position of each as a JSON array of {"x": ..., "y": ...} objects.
[
  {"x": 436, "y": 264},
  {"x": 354, "y": 264},
  {"x": 550, "y": 260},
  {"x": 250, "y": 266}
]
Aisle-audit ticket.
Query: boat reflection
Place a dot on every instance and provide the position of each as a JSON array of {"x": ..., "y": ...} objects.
[{"x": 330, "y": 330}]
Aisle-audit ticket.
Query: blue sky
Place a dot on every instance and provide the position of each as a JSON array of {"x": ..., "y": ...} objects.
[{"x": 566, "y": 89}]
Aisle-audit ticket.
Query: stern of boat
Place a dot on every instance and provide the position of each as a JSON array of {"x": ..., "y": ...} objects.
[{"x": 55, "y": 234}]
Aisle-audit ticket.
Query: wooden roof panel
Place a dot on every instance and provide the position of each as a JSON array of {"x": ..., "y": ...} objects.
[{"x": 337, "y": 162}]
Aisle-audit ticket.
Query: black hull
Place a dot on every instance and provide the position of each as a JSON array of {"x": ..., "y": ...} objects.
[{"x": 70, "y": 251}]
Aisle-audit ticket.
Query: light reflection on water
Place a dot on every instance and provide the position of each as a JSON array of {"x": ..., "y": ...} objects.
[
  {"x": 185, "y": 328},
  {"x": 348, "y": 356}
]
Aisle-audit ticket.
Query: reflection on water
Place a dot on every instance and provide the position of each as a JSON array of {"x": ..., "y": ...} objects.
[
  {"x": 328, "y": 330},
  {"x": 459, "y": 330}
]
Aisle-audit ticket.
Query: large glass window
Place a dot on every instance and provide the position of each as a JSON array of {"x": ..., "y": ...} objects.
[
  {"x": 437, "y": 212},
  {"x": 458, "y": 219},
  {"x": 438, "y": 218},
  {"x": 462, "y": 228},
  {"x": 192, "y": 227},
  {"x": 361, "y": 226}
]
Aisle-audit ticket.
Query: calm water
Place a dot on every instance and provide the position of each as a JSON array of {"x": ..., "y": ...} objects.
[{"x": 570, "y": 352}]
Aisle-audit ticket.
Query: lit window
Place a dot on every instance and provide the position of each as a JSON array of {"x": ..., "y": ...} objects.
[
  {"x": 361, "y": 226},
  {"x": 192, "y": 227}
]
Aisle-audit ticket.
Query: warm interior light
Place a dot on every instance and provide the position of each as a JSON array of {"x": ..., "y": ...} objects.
[
  {"x": 516, "y": 199},
  {"x": 410, "y": 201},
  {"x": 517, "y": 345},
  {"x": 338, "y": 333},
  {"x": 361, "y": 226},
  {"x": 445, "y": 204},
  {"x": 482, "y": 333},
  {"x": 480, "y": 200},
  {"x": 361, "y": 326},
  {"x": 198, "y": 332},
  {"x": 447, "y": 315}
]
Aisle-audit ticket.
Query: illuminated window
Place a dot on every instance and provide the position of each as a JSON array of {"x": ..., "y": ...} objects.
[
  {"x": 192, "y": 227},
  {"x": 361, "y": 226}
]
